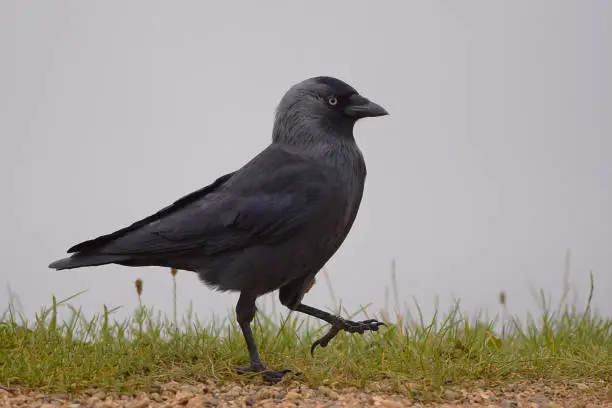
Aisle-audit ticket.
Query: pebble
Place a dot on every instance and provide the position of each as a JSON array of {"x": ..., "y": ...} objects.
[
  {"x": 292, "y": 395},
  {"x": 196, "y": 402},
  {"x": 183, "y": 397},
  {"x": 391, "y": 404},
  {"x": 263, "y": 394},
  {"x": 138, "y": 404},
  {"x": 331, "y": 394},
  {"x": 93, "y": 401},
  {"x": 451, "y": 395},
  {"x": 509, "y": 404}
]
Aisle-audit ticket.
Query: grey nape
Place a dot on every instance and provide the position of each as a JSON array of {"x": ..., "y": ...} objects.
[{"x": 270, "y": 225}]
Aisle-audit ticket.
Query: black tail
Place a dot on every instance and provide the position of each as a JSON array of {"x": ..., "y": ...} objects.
[{"x": 79, "y": 260}]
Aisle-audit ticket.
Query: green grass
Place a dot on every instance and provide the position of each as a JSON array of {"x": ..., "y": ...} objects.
[{"x": 147, "y": 348}]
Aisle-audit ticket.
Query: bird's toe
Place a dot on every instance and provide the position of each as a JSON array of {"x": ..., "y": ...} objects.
[
  {"x": 244, "y": 370},
  {"x": 274, "y": 376},
  {"x": 268, "y": 375},
  {"x": 363, "y": 326}
]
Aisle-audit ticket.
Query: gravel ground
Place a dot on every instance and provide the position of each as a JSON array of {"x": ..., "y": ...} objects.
[{"x": 523, "y": 394}]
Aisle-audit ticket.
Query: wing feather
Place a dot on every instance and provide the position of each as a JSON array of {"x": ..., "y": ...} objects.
[
  {"x": 101, "y": 241},
  {"x": 268, "y": 200}
]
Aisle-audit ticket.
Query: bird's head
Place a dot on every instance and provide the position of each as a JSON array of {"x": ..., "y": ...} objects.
[{"x": 321, "y": 104}]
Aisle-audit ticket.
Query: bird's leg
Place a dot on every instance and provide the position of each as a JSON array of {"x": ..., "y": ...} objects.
[
  {"x": 291, "y": 295},
  {"x": 337, "y": 323},
  {"x": 245, "y": 312}
]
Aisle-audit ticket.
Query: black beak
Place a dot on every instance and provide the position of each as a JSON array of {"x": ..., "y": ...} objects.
[{"x": 360, "y": 107}]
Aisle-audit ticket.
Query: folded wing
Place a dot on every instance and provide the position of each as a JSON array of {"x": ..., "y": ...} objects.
[{"x": 265, "y": 202}]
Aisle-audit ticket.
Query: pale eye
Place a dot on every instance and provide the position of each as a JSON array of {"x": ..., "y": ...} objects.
[{"x": 332, "y": 101}]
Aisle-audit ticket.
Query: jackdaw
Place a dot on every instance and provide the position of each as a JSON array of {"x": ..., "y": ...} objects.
[{"x": 272, "y": 224}]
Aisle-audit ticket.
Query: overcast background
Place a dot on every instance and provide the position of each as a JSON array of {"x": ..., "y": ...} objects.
[{"x": 496, "y": 159}]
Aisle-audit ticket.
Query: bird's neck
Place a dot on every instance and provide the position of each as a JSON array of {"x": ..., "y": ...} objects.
[
  {"x": 336, "y": 147},
  {"x": 297, "y": 129}
]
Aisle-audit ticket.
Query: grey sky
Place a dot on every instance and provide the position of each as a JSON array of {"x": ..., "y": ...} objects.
[{"x": 497, "y": 156}]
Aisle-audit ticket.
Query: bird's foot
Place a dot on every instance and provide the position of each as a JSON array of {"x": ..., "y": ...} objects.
[
  {"x": 270, "y": 376},
  {"x": 349, "y": 327}
]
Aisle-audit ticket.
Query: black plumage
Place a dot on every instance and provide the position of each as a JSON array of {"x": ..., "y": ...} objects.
[{"x": 270, "y": 225}]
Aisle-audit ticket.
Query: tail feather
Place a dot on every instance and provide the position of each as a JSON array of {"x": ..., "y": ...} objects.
[{"x": 79, "y": 260}]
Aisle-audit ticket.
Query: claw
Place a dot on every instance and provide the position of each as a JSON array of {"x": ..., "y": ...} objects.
[
  {"x": 324, "y": 341},
  {"x": 348, "y": 326}
]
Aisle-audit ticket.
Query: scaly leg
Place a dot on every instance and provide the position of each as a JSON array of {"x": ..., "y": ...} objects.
[
  {"x": 338, "y": 324},
  {"x": 291, "y": 296},
  {"x": 245, "y": 312}
]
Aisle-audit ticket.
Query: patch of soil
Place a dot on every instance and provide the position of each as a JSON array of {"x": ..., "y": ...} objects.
[{"x": 521, "y": 394}]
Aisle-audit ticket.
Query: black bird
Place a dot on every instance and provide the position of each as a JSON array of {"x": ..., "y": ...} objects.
[{"x": 273, "y": 223}]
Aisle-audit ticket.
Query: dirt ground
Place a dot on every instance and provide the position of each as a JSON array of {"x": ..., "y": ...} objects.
[{"x": 517, "y": 395}]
